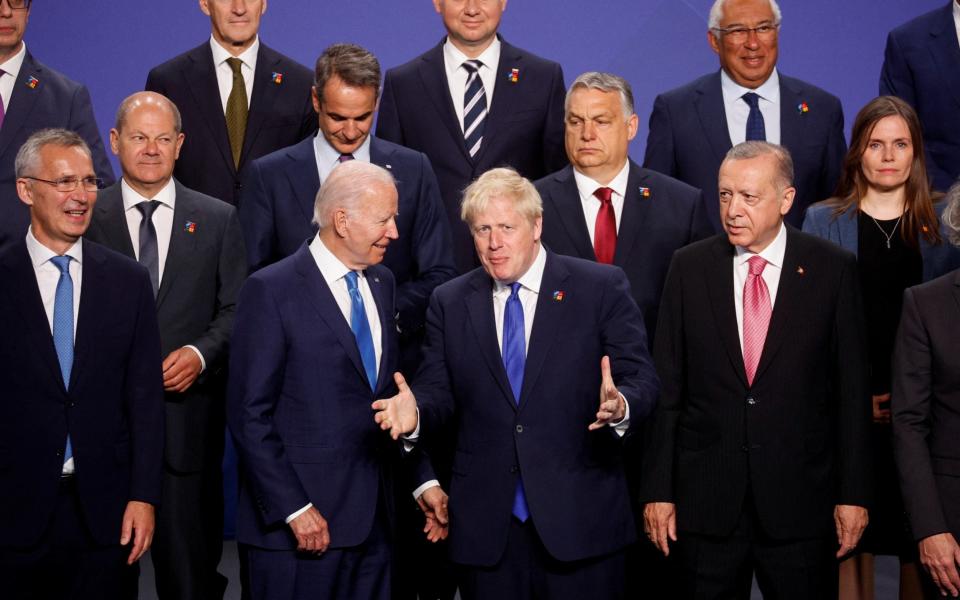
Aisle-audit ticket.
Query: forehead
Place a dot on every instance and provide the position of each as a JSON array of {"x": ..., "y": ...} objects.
[
  {"x": 892, "y": 125},
  {"x": 378, "y": 196},
  {"x": 591, "y": 99},
  {"x": 500, "y": 208},
  {"x": 149, "y": 115},
  {"x": 60, "y": 161},
  {"x": 746, "y": 11},
  {"x": 339, "y": 93},
  {"x": 760, "y": 171}
]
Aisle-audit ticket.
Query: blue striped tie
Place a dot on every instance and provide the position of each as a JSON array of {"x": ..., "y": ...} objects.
[
  {"x": 474, "y": 107},
  {"x": 514, "y": 356},
  {"x": 361, "y": 330},
  {"x": 63, "y": 328},
  {"x": 755, "y": 127}
]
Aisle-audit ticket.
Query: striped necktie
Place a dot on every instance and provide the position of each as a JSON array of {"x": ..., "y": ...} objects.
[{"x": 474, "y": 108}]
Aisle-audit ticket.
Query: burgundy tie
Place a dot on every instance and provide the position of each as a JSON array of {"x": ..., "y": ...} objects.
[
  {"x": 605, "y": 229},
  {"x": 345, "y": 157},
  {"x": 756, "y": 316}
]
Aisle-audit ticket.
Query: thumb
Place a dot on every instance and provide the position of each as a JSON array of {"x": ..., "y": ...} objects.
[
  {"x": 400, "y": 381},
  {"x": 126, "y": 530}
]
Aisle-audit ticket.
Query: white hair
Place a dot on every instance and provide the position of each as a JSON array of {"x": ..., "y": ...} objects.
[{"x": 716, "y": 13}]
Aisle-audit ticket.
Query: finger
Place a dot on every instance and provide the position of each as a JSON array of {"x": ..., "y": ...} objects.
[
  {"x": 952, "y": 578},
  {"x": 169, "y": 361},
  {"x": 401, "y": 382},
  {"x": 324, "y": 541},
  {"x": 126, "y": 529},
  {"x": 605, "y": 375},
  {"x": 137, "y": 547},
  {"x": 672, "y": 528},
  {"x": 596, "y": 425},
  {"x": 442, "y": 514}
]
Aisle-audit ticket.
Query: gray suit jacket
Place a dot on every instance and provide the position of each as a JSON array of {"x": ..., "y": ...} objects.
[{"x": 196, "y": 302}]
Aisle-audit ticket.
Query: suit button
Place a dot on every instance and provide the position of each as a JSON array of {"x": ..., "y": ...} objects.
[
  {"x": 59, "y": 453},
  {"x": 72, "y": 404},
  {"x": 519, "y": 428},
  {"x": 514, "y": 469},
  {"x": 745, "y": 448},
  {"x": 751, "y": 401}
]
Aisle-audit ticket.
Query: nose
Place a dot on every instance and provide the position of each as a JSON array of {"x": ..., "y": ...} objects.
[
  {"x": 588, "y": 131},
  {"x": 887, "y": 153},
  {"x": 152, "y": 147},
  {"x": 5, "y": 9},
  {"x": 350, "y": 130},
  {"x": 238, "y": 7},
  {"x": 495, "y": 240},
  {"x": 392, "y": 232},
  {"x": 472, "y": 7}
]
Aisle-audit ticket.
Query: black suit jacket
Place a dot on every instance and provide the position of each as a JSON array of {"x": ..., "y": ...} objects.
[
  {"x": 113, "y": 410},
  {"x": 689, "y": 137},
  {"x": 652, "y": 226},
  {"x": 195, "y": 306},
  {"x": 42, "y": 98},
  {"x": 925, "y": 402},
  {"x": 797, "y": 440},
  {"x": 523, "y": 129},
  {"x": 281, "y": 114}
]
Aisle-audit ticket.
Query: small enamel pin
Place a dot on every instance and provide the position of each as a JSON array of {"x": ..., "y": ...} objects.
[
  {"x": 190, "y": 227},
  {"x": 277, "y": 77},
  {"x": 377, "y": 280},
  {"x": 645, "y": 192},
  {"x": 514, "y": 75},
  {"x": 803, "y": 107},
  {"x": 558, "y": 296},
  {"x": 800, "y": 271},
  {"x": 32, "y": 82}
]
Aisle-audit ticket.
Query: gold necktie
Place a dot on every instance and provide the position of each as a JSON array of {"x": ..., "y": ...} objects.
[{"x": 236, "y": 111}]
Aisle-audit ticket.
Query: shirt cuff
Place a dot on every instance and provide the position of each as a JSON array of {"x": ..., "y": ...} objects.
[
  {"x": 424, "y": 487},
  {"x": 203, "y": 363},
  {"x": 621, "y": 426},
  {"x": 411, "y": 438},
  {"x": 299, "y": 512}
]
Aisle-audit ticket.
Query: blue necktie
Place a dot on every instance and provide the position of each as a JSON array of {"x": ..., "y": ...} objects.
[
  {"x": 514, "y": 356},
  {"x": 361, "y": 330},
  {"x": 474, "y": 107},
  {"x": 63, "y": 328},
  {"x": 755, "y": 127}
]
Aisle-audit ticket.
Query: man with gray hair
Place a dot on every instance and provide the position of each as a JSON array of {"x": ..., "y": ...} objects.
[
  {"x": 314, "y": 343},
  {"x": 759, "y": 457},
  {"x": 693, "y": 126}
]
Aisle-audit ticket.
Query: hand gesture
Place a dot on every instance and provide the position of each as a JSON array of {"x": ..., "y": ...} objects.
[
  {"x": 433, "y": 503},
  {"x": 612, "y": 406},
  {"x": 399, "y": 413},
  {"x": 311, "y": 531},
  {"x": 660, "y": 523},
  {"x": 940, "y": 556},
  {"x": 850, "y": 521}
]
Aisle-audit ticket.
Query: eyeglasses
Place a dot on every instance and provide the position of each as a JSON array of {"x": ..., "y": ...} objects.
[
  {"x": 68, "y": 184},
  {"x": 18, "y": 4},
  {"x": 740, "y": 34}
]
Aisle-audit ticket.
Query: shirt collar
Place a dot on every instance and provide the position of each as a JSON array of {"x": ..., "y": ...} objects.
[
  {"x": 331, "y": 267},
  {"x": 13, "y": 64},
  {"x": 773, "y": 253},
  {"x": 532, "y": 278},
  {"x": 166, "y": 196},
  {"x": 769, "y": 90},
  {"x": 40, "y": 254},
  {"x": 453, "y": 57},
  {"x": 248, "y": 56},
  {"x": 587, "y": 185},
  {"x": 326, "y": 154}
]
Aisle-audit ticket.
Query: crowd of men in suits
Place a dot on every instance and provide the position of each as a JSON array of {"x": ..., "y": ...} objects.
[{"x": 597, "y": 350}]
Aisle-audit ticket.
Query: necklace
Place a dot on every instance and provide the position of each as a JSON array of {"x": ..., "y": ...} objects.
[{"x": 889, "y": 236}]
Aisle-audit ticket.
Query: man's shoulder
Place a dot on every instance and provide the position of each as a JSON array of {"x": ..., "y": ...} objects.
[
  {"x": 679, "y": 191},
  {"x": 50, "y": 79},
  {"x": 555, "y": 181},
  {"x": 179, "y": 61},
  {"x": 292, "y": 68},
  {"x": 821, "y": 248},
  {"x": 120, "y": 267},
  {"x": 918, "y": 29},
  {"x": 691, "y": 89},
  {"x": 822, "y": 98},
  {"x": 401, "y": 157},
  {"x": 534, "y": 61},
  {"x": 300, "y": 153},
  {"x": 409, "y": 69},
  {"x": 210, "y": 206}
]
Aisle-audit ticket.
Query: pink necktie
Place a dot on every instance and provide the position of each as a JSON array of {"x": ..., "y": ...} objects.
[
  {"x": 605, "y": 227},
  {"x": 756, "y": 316}
]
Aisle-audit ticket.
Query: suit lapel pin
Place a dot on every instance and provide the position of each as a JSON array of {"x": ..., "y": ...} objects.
[
  {"x": 388, "y": 166},
  {"x": 377, "y": 280},
  {"x": 558, "y": 296},
  {"x": 190, "y": 227},
  {"x": 803, "y": 108},
  {"x": 32, "y": 82},
  {"x": 800, "y": 271},
  {"x": 644, "y": 191},
  {"x": 277, "y": 77},
  {"x": 514, "y": 75}
]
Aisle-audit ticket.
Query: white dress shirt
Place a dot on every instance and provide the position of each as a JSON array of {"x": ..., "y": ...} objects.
[
  {"x": 11, "y": 72},
  {"x": 225, "y": 73},
  {"x": 48, "y": 275},
  {"x": 453, "y": 60},
  {"x": 773, "y": 254},
  {"x": 328, "y": 158},
  {"x": 737, "y": 110},
  {"x": 591, "y": 204},
  {"x": 956, "y": 19},
  {"x": 334, "y": 274}
]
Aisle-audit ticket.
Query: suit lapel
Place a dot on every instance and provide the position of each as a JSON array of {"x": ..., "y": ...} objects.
[
  {"x": 200, "y": 78},
  {"x": 566, "y": 200},
  {"x": 713, "y": 117},
  {"x": 22, "y": 101},
  {"x": 790, "y": 298},
  {"x": 112, "y": 221},
  {"x": 93, "y": 291},
  {"x": 945, "y": 52},
  {"x": 956, "y": 288},
  {"x": 791, "y": 119},
  {"x": 847, "y": 230},
  {"x": 480, "y": 310},
  {"x": 506, "y": 95},
  {"x": 719, "y": 275},
  {"x": 302, "y": 174},
  {"x": 434, "y": 78},
  {"x": 635, "y": 209},
  {"x": 183, "y": 243},
  {"x": 546, "y": 323},
  {"x": 263, "y": 97}
]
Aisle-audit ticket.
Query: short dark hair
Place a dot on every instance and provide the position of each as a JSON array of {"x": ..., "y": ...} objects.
[{"x": 354, "y": 65}]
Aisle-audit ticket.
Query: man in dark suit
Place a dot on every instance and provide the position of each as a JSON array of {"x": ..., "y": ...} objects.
[
  {"x": 759, "y": 458},
  {"x": 314, "y": 344},
  {"x": 33, "y": 97},
  {"x": 921, "y": 64},
  {"x": 474, "y": 102},
  {"x": 193, "y": 248},
  {"x": 239, "y": 99},
  {"x": 644, "y": 216},
  {"x": 693, "y": 126},
  {"x": 82, "y": 395},
  {"x": 534, "y": 444}
]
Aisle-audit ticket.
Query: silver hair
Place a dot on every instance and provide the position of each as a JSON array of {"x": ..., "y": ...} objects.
[
  {"x": 134, "y": 100},
  {"x": 27, "y": 162},
  {"x": 951, "y": 214},
  {"x": 605, "y": 82},
  {"x": 502, "y": 182},
  {"x": 756, "y": 149},
  {"x": 716, "y": 13},
  {"x": 345, "y": 188}
]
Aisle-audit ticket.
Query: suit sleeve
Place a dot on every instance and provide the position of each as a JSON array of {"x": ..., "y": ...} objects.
[
  {"x": 700, "y": 227},
  {"x": 659, "y": 155},
  {"x": 154, "y": 83},
  {"x": 231, "y": 271},
  {"x": 256, "y": 218},
  {"x": 388, "y": 117},
  {"x": 554, "y": 149},
  {"x": 433, "y": 251},
  {"x": 814, "y": 223},
  {"x": 431, "y": 386},
  {"x": 144, "y": 399},
  {"x": 910, "y": 401},
  {"x": 309, "y": 119},
  {"x": 257, "y": 362},
  {"x": 895, "y": 76},
  {"x": 83, "y": 121},
  {"x": 835, "y": 150}
]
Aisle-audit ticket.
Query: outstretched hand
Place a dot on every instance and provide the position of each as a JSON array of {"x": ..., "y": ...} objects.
[
  {"x": 612, "y": 406},
  {"x": 398, "y": 413}
]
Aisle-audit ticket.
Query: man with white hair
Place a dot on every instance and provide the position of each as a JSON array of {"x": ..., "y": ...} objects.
[{"x": 693, "y": 126}]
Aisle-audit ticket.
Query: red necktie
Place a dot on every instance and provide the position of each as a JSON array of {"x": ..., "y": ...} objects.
[
  {"x": 756, "y": 316},
  {"x": 605, "y": 229}
]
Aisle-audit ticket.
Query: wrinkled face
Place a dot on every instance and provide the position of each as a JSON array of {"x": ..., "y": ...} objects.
[
  {"x": 147, "y": 146},
  {"x": 13, "y": 23},
  {"x": 471, "y": 24},
  {"x": 59, "y": 218},
  {"x": 748, "y": 59},
  {"x": 346, "y": 114},
  {"x": 888, "y": 157},
  {"x": 597, "y": 132},
  {"x": 507, "y": 242},
  {"x": 234, "y": 23},
  {"x": 365, "y": 233},
  {"x": 751, "y": 205}
]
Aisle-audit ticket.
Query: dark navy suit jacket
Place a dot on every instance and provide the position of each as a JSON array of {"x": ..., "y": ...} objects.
[
  {"x": 42, "y": 98},
  {"x": 584, "y": 311},
  {"x": 689, "y": 138},
  {"x": 113, "y": 410},
  {"x": 666, "y": 215},
  {"x": 280, "y": 114},
  {"x": 921, "y": 64},
  {"x": 298, "y": 405},
  {"x": 523, "y": 129},
  {"x": 276, "y": 213}
]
